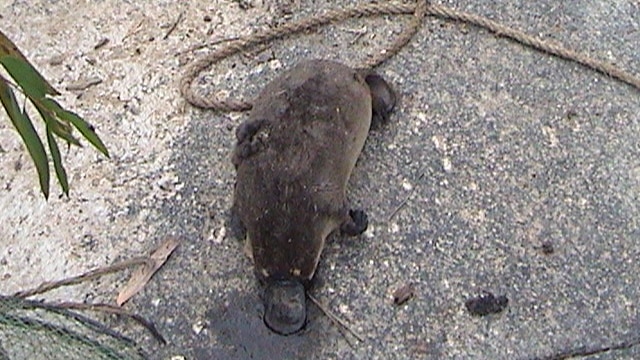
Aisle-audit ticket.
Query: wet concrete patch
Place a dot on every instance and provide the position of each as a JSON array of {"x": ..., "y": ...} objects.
[{"x": 241, "y": 334}]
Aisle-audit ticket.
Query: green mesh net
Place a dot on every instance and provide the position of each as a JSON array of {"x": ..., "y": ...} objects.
[{"x": 35, "y": 330}]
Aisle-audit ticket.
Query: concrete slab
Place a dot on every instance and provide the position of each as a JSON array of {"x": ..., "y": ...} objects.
[{"x": 499, "y": 150}]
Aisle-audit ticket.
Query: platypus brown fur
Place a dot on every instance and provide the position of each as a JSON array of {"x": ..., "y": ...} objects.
[{"x": 293, "y": 159}]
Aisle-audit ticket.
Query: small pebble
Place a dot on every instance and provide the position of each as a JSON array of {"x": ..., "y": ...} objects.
[
  {"x": 446, "y": 164},
  {"x": 486, "y": 304},
  {"x": 403, "y": 294},
  {"x": 198, "y": 327},
  {"x": 56, "y": 60},
  {"x": 547, "y": 248}
]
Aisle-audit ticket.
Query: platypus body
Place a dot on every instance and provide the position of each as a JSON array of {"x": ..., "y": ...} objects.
[{"x": 293, "y": 158}]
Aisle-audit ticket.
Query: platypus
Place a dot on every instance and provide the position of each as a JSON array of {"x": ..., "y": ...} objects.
[{"x": 293, "y": 158}]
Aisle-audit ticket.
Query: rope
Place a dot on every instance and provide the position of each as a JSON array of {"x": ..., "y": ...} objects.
[
  {"x": 536, "y": 43},
  {"x": 419, "y": 9},
  {"x": 416, "y": 23}
]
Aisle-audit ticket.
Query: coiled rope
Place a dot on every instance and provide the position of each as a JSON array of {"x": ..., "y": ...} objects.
[{"x": 419, "y": 9}]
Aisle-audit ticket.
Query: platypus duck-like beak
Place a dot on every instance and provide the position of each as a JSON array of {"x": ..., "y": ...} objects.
[{"x": 285, "y": 309}]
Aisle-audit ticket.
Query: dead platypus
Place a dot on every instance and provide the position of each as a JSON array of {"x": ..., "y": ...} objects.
[{"x": 293, "y": 159}]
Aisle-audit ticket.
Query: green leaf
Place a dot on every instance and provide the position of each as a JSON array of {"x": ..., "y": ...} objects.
[
  {"x": 8, "y": 48},
  {"x": 27, "y": 77},
  {"x": 59, "y": 128},
  {"x": 61, "y": 174},
  {"x": 28, "y": 133},
  {"x": 85, "y": 128}
]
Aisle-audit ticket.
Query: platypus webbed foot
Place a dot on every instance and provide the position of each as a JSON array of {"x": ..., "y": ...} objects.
[
  {"x": 383, "y": 99},
  {"x": 249, "y": 141},
  {"x": 356, "y": 224}
]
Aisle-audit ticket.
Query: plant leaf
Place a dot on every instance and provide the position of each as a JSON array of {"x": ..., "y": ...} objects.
[
  {"x": 61, "y": 174},
  {"x": 8, "y": 48},
  {"x": 26, "y": 76},
  {"x": 62, "y": 129},
  {"x": 28, "y": 133},
  {"x": 85, "y": 128}
]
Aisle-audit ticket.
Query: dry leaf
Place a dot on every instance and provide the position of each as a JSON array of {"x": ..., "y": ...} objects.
[
  {"x": 143, "y": 274},
  {"x": 403, "y": 294}
]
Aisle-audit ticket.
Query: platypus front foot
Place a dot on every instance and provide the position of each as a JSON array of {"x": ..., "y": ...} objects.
[{"x": 356, "y": 224}]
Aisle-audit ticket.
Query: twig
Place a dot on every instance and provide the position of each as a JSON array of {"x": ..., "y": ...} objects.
[
  {"x": 206, "y": 227},
  {"x": 406, "y": 199},
  {"x": 586, "y": 351},
  {"x": 358, "y": 33},
  {"x": 255, "y": 52},
  {"x": 110, "y": 309},
  {"x": 173, "y": 26},
  {"x": 336, "y": 320},
  {"x": 101, "y": 43},
  {"x": 209, "y": 44},
  {"x": 400, "y": 206},
  {"x": 93, "y": 274},
  {"x": 83, "y": 84},
  {"x": 134, "y": 31}
]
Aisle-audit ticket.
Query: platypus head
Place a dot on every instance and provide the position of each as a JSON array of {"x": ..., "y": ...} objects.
[{"x": 285, "y": 310}]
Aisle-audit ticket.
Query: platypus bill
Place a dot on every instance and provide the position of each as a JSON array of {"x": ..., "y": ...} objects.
[{"x": 293, "y": 159}]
